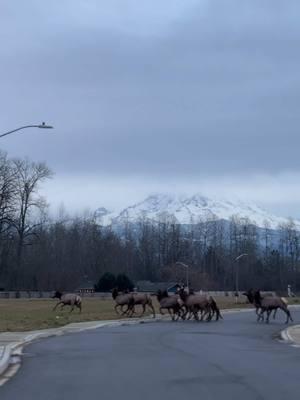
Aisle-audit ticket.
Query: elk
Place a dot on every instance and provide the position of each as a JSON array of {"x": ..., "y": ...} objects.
[
  {"x": 123, "y": 299},
  {"x": 268, "y": 304},
  {"x": 171, "y": 303},
  {"x": 203, "y": 303},
  {"x": 250, "y": 296},
  {"x": 68, "y": 299},
  {"x": 144, "y": 300}
]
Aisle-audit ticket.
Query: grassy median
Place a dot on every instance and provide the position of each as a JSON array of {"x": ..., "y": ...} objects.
[{"x": 30, "y": 314}]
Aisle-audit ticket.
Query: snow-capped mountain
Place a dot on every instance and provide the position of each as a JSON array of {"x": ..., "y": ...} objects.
[{"x": 189, "y": 210}]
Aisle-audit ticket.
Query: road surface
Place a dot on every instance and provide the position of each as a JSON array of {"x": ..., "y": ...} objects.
[{"x": 232, "y": 359}]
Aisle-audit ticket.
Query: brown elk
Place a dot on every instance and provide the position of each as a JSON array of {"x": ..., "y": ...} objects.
[
  {"x": 250, "y": 294},
  {"x": 123, "y": 299},
  {"x": 144, "y": 300},
  {"x": 68, "y": 299},
  {"x": 268, "y": 304},
  {"x": 195, "y": 303},
  {"x": 171, "y": 303}
]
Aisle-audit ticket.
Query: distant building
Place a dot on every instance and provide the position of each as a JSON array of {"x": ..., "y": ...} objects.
[
  {"x": 153, "y": 287},
  {"x": 86, "y": 286}
]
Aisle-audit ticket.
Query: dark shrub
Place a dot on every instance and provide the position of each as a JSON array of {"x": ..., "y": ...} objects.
[
  {"x": 106, "y": 283},
  {"x": 124, "y": 283}
]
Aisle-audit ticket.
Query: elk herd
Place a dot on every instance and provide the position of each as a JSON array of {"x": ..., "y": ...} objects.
[{"x": 184, "y": 304}]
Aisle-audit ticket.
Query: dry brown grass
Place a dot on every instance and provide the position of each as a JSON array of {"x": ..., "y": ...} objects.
[{"x": 31, "y": 314}]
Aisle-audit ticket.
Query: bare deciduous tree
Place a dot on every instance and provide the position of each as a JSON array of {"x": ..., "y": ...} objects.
[{"x": 30, "y": 206}]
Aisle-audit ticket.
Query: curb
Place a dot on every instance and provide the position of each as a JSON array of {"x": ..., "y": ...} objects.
[
  {"x": 285, "y": 336},
  {"x": 288, "y": 338},
  {"x": 5, "y": 358}
]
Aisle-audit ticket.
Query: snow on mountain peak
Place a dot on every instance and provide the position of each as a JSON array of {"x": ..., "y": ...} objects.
[{"x": 184, "y": 209}]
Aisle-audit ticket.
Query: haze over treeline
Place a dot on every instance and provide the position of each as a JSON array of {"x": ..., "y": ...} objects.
[{"x": 39, "y": 253}]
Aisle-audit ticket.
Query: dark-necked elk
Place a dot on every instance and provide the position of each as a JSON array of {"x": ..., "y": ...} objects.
[
  {"x": 173, "y": 304},
  {"x": 268, "y": 304},
  {"x": 204, "y": 304},
  {"x": 123, "y": 299},
  {"x": 68, "y": 299},
  {"x": 250, "y": 294}
]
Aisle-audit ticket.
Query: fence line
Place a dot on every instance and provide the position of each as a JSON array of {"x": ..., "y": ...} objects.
[{"x": 29, "y": 294}]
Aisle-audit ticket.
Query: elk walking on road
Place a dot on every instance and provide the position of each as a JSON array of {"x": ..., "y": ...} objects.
[
  {"x": 268, "y": 304},
  {"x": 196, "y": 303}
]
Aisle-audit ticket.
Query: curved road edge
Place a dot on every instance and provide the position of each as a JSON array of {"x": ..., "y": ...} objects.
[{"x": 291, "y": 335}]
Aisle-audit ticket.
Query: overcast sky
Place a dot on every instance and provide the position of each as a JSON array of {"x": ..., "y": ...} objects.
[{"x": 174, "y": 95}]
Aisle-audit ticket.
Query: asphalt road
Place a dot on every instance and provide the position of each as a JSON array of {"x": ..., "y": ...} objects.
[{"x": 232, "y": 359}]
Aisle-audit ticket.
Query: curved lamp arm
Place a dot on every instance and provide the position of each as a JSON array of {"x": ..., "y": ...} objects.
[{"x": 41, "y": 126}]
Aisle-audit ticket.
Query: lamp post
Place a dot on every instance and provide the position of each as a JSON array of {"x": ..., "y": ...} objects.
[
  {"x": 237, "y": 273},
  {"x": 187, "y": 272},
  {"x": 43, "y": 125}
]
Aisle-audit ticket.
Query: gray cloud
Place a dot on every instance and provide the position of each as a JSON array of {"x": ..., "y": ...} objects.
[{"x": 194, "y": 89}]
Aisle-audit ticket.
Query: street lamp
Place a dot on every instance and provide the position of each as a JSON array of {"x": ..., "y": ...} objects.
[
  {"x": 237, "y": 273},
  {"x": 187, "y": 272},
  {"x": 41, "y": 126}
]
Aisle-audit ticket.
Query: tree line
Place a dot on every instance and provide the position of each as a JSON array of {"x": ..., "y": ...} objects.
[{"x": 41, "y": 253}]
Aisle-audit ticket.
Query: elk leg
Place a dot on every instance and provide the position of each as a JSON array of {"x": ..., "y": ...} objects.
[
  {"x": 189, "y": 312},
  {"x": 203, "y": 314},
  {"x": 195, "y": 313},
  {"x": 178, "y": 314},
  {"x": 185, "y": 312},
  {"x": 152, "y": 309},
  {"x": 122, "y": 310},
  {"x": 210, "y": 316},
  {"x": 170, "y": 313},
  {"x": 268, "y": 316},
  {"x": 116, "y": 308},
  {"x": 207, "y": 311},
  {"x": 143, "y": 310},
  {"x": 288, "y": 315},
  {"x": 55, "y": 307},
  {"x": 131, "y": 311},
  {"x": 260, "y": 316}
]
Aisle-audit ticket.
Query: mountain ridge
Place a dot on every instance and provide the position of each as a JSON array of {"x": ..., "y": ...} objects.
[{"x": 183, "y": 209}]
